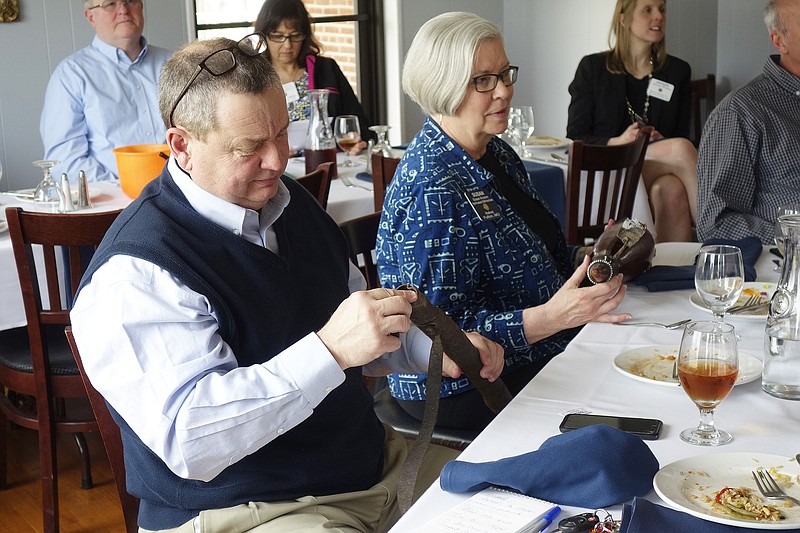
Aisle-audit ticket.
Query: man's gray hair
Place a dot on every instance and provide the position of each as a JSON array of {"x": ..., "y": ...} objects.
[
  {"x": 772, "y": 17},
  {"x": 439, "y": 63},
  {"x": 197, "y": 110}
]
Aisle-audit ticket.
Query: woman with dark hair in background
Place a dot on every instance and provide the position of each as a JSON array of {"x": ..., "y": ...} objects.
[
  {"x": 633, "y": 84},
  {"x": 294, "y": 52}
]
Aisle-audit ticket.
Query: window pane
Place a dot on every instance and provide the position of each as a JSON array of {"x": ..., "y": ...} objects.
[{"x": 222, "y": 11}]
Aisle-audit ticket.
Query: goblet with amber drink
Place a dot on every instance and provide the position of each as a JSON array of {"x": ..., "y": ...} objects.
[{"x": 708, "y": 365}]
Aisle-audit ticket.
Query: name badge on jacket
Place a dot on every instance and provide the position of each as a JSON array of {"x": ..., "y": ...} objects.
[
  {"x": 291, "y": 92},
  {"x": 660, "y": 89},
  {"x": 483, "y": 205}
]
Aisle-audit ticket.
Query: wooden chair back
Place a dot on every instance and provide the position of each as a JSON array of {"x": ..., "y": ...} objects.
[
  {"x": 45, "y": 368},
  {"x": 318, "y": 183},
  {"x": 382, "y": 173},
  {"x": 601, "y": 184},
  {"x": 112, "y": 441},
  {"x": 361, "y": 234},
  {"x": 702, "y": 89}
]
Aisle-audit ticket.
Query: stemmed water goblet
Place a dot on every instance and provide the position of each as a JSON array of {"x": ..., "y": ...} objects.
[
  {"x": 47, "y": 196},
  {"x": 521, "y": 124},
  {"x": 708, "y": 365},
  {"x": 382, "y": 144},
  {"x": 719, "y": 277},
  {"x": 347, "y": 133}
]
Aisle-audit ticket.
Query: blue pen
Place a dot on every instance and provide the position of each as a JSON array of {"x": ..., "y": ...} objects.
[{"x": 546, "y": 520}]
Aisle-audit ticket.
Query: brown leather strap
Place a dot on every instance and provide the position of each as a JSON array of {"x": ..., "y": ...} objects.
[
  {"x": 412, "y": 464},
  {"x": 446, "y": 336}
]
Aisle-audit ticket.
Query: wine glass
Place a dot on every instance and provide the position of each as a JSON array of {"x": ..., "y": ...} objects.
[
  {"x": 787, "y": 209},
  {"x": 521, "y": 123},
  {"x": 708, "y": 365},
  {"x": 719, "y": 277},
  {"x": 347, "y": 133},
  {"x": 382, "y": 144},
  {"x": 47, "y": 196}
]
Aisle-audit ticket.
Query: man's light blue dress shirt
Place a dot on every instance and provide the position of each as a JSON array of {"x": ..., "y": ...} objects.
[{"x": 98, "y": 99}]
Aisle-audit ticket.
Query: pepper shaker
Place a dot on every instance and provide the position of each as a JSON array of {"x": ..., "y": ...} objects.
[
  {"x": 66, "y": 196},
  {"x": 83, "y": 191}
]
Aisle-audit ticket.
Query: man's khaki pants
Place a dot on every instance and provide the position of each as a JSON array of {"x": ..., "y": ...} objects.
[{"x": 372, "y": 510}]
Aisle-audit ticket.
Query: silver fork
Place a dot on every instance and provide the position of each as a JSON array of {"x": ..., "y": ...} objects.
[
  {"x": 349, "y": 183},
  {"x": 752, "y": 302},
  {"x": 674, "y": 325},
  {"x": 769, "y": 488}
]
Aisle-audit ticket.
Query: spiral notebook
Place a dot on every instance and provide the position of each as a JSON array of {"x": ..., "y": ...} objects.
[{"x": 492, "y": 510}]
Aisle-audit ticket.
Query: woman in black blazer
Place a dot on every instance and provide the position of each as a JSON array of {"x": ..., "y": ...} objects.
[{"x": 636, "y": 83}]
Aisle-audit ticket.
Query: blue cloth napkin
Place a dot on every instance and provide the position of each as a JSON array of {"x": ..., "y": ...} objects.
[
  {"x": 364, "y": 176},
  {"x": 671, "y": 278},
  {"x": 591, "y": 467},
  {"x": 645, "y": 517}
]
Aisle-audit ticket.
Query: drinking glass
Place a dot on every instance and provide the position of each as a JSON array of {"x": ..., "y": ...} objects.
[
  {"x": 708, "y": 365},
  {"x": 382, "y": 144},
  {"x": 787, "y": 209},
  {"x": 47, "y": 196},
  {"x": 521, "y": 124},
  {"x": 719, "y": 277},
  {"x": 347, "y": 133}
]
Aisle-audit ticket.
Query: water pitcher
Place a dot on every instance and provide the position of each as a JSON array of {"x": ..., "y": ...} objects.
[
  {"x": 781, "y": 375},
  {"x": 320, "y": 145}
]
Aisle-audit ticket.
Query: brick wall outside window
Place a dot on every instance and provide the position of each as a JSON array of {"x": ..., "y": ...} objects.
[{"x": 337, "y": 38}]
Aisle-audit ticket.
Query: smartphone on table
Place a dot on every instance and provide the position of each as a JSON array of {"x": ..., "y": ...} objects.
[{"x": 646, "y": 428}]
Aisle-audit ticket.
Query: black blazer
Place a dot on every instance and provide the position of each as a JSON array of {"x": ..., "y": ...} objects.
[{"x": 598, "y": 111}]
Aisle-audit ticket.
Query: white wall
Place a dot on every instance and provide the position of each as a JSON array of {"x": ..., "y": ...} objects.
[{"x": 48, "y": 31}]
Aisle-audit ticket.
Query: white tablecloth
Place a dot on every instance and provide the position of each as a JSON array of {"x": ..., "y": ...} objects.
[
  {"x": 583, "y": 378},
  {"x": 344, "y": 203}
]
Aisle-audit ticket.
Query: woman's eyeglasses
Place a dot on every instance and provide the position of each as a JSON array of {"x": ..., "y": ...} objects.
[
  {"x": 281, "y": 38},
  {"x": 487, "y": 82},
  {"x": 223, "y": 61},
  {"x": 113, "y": 5}
]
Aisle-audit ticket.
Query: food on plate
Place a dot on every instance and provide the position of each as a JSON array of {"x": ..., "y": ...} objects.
[
  {"x": 544, "y": 140},
  {"x": 743, "y": 504},
  {"x": 656, "y": 365}
]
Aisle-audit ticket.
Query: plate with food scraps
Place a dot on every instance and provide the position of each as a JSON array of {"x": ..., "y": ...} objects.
[
  {"x": 545, "y": 141},
  {"x": 696, "y": 485},
  {"x": 750, "y": 288},
  {"x": 653, "y": 364}
]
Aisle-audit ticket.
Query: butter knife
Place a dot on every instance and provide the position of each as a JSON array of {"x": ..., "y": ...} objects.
[
  {"x": 23, "y": 195},
  {"x": 546, "y": 160}
]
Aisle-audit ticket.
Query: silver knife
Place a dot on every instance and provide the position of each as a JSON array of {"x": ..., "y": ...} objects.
[
  {"x": 25, "y": 195},
  {"x": 545, "y": 160}
]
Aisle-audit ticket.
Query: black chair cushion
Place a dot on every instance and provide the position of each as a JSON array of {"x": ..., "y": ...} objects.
[
  {"x": 389, "y": 412},
  {"x": 15, "y": 352}
]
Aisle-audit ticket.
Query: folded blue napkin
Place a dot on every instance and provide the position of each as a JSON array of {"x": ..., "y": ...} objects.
[
  {"x": 645, "y": 517},
  {"x": 671, "y": 278},
  {"x": 364, "y": 176},
  {"x": 591, "y": 467}
]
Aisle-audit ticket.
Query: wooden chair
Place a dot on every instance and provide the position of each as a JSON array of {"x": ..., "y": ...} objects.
[
  {"x": 112, "y": 441},
  {"x": 42, "y": 365},
  {"x": 318, "y": 183},
  {"x": 702, "y": 89},
  {"x": 610, "y": 172},
  {"x": 382, "y": 173},
  {"x": 361, "y": 234}
]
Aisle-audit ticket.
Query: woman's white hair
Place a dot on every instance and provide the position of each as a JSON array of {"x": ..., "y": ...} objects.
[{"x": 438, "y": 65}]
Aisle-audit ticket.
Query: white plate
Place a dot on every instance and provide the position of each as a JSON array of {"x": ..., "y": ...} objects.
[
  {"x": 545, "y": 141},
  {"x": 93, "y": 193},
  {"x": 653, "y": 364},
  {"x": 683, "y": 484},
  {"x": 750, "y": 288},
  {"x": 3, "y": 226}
]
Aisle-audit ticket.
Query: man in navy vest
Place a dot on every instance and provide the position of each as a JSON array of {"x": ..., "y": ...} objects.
[{"x": 224, "y": 324}]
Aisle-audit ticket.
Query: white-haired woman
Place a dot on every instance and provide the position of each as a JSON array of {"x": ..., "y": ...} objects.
[{"x": 462, "y": 221}]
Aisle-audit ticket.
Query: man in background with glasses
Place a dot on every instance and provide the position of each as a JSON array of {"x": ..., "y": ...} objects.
[
  {"x": 226, "y": 327},
  {"x": 105, "y": 95}
]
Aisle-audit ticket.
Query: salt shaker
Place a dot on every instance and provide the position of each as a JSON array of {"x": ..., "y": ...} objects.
[
  {"x": 83, "y": 191},
  {"x": 66, "y": 196}
]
